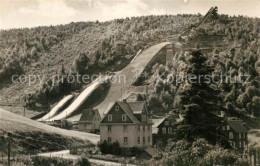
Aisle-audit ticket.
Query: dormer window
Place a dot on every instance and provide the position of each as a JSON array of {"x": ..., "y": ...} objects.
[
  {"x": 124, "y": 117},
  {"x": 117, "y": 108},
  {"x": 109, "y": 117},
  {"x": 143, "y": 118}
]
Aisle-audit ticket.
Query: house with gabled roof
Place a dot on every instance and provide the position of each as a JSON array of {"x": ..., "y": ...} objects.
[
  {"x": 128, "y": 123},
  {"x": 89, "y": 121},
  {"x": 236, "y": 133},
  {"x": 163, "y": 129}
]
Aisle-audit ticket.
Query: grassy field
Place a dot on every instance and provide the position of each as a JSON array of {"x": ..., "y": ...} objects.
[
  {"x": 12, "y": 122},
  {"x": 19, "y": 110},
  {"x": 29, "y": 136}
]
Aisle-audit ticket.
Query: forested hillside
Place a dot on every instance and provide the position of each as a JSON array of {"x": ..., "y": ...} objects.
[
  {"x": 83, "y": 47},
  {"x": 230, "y": 43}
]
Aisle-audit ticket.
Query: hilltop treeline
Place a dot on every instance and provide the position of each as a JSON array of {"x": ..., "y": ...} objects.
[
  {"x": 238, "y": 61},
  {"x": 89, "y": 47},
  {"x": 82, "y": 47}
]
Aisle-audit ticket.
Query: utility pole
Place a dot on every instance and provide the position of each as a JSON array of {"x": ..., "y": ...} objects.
[
  {"x": 9, "y": 152},
  {"x": 121, "y": 93},
  {"x": 7, "y": 137},
  {"x": 24, "y": 111},
  {"x": 24, "y": 106}
]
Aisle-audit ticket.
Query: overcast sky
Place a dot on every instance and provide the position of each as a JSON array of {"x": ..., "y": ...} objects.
[{"x": 31, "y": 13}]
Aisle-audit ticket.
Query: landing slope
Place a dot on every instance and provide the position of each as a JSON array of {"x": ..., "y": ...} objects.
[
  {"x": 10, "y": 122},
  {"x": 130, "y": 73},
  {"x": 80, "y": 99},
  {"x": 55, "y": 109}
]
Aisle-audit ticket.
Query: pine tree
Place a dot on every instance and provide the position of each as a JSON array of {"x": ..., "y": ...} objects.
[{"x": 199, "y": 102}]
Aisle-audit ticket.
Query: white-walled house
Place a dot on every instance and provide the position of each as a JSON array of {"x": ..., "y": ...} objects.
[
  {"x": 89, "y": 121},
  {"x": 128, "y": 123}
]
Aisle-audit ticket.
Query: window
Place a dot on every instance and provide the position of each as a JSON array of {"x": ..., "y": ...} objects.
[
  {"x": 138, "y": 128},
  {"x": 239, "y": 135},
  {"x": 231, "y": 143},
  {"x": 143, "y": 127},
  {"x": 138, "y": 140},
  {"x": 143, "y": 118},
  {"x": 109, "y": 117},
  {"x": 125, "y": 140},
  {"x": 223, "y": 127},
  {"x": 231, "y": 136},
  {"x": 117, "y": 108},
  {"x": 149, "y": 140},
  {"x": 125, "y": 127},
  {"x": 143, "y": 140},
  {"x": 169, "y": 130},
  {"x": 148, "y": 127},
  {"x": 109, "y": 128},
  {"x": 166, "y": 123},
  {"x": 228, "y": 128},
  {"x": 124, "y": 117},
  {"x": 109, "y": 139},
  {"x": 164, "y": 130},
  {"x": 240, "y": 144}
]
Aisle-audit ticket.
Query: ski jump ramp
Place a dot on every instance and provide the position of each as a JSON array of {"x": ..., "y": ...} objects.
[
  {"x": 55, "y": 109},
  {"x": 80, "y": 99},
  {"x": 131, "y": 72},
  {"x": 119, "y": 89}
]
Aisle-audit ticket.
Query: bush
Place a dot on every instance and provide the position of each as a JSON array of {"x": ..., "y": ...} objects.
[
  {"x": 83, "y": 161},
  {"x": 108, "y": 148},
  {"x": 46, "y": 161},
  {"x": 200, "y": 152}
]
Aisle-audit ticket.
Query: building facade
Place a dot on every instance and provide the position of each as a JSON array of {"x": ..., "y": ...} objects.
[
  {"x": 163, "y": 129},
  {"x": 89, "y": 121},
  {"x": 236, "y": 133},
  {"x": 128, "y": 123}
]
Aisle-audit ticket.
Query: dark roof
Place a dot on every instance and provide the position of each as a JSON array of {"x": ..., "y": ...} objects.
[
  {"x": 152, "y": 151},
  {"x": 137, "y": 106},
  {"x": 131, "y": 109},
  {"x": 88, "y": 115},
  {"x": 128, "y": 111},
  {"x": 157, "y": 122},
  {"x": 237, "y": 126}
]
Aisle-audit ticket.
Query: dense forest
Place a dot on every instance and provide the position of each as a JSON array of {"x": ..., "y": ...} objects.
[
  {"x": 92, "y": 47},
  {"x": 83, "y": 47},
  {"x": 237, "y": 59}
]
